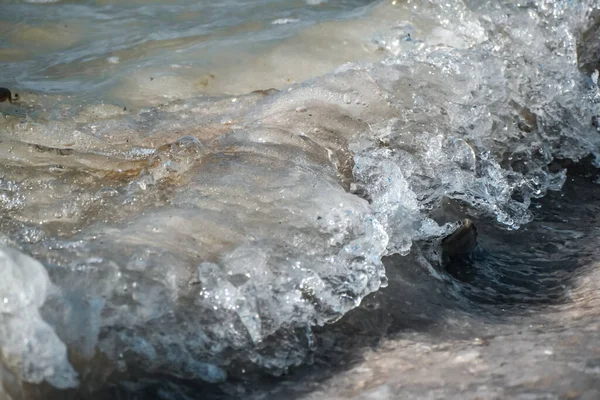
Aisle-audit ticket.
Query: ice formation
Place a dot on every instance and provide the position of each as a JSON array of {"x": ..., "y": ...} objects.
[
  {"x": 30, "y": 349},
  {"x": 205, "y": 237}
]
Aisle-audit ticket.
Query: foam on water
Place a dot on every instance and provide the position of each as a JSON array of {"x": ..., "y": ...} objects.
[{"x": 207, "y": 236}]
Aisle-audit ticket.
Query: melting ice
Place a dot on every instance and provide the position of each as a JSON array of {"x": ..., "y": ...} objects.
[{"x": 206, "y": 236}]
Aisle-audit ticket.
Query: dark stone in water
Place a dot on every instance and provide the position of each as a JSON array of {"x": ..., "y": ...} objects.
[
  {"x": 5, "y": 94},
  {"x": 457, "y": 249},
  {"x": 462, "y": 241}
]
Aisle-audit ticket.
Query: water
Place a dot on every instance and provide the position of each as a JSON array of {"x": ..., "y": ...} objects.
[
  {"x": 204, "y": 207},
  {"x": 107, "y": 51}
]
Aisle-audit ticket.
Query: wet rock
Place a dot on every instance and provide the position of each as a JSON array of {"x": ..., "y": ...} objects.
[
  {"x": 462, "y": 241},
  {"x": 5, "y": 94},
  {"x": 457, "y": 249}
]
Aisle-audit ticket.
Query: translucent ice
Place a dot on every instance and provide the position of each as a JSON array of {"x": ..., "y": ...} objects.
[
  {"x": 209, "y": 234},
  {"x": 30, "y": 349}
]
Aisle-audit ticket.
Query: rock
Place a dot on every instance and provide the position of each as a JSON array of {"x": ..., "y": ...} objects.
[
  {"x": 457, "y": 249},
  {"x": 5, "y": 94}
]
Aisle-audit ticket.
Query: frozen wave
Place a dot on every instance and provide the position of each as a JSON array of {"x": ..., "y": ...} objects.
[{"x": 205, "y": 237}]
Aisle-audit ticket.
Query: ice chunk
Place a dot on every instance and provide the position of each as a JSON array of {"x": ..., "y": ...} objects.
[{"x": 29, "y": 347}]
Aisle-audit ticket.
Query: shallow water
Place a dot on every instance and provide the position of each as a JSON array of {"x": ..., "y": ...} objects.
[
  {"x": 148, "y": 52},
  {"x": 173, "y": 239}
]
